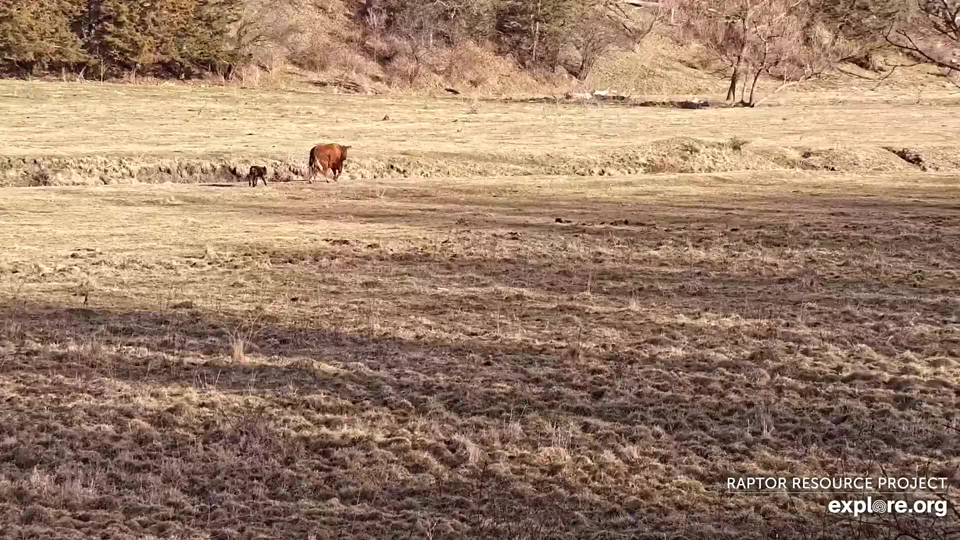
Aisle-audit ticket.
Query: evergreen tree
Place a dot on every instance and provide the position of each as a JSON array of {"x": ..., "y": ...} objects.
[
  {"x": 38, "y": 34},
  {"x": 179, "y": 37}
]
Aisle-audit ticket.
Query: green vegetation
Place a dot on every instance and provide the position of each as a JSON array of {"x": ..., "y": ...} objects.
[{"x": 174, "y": 38}]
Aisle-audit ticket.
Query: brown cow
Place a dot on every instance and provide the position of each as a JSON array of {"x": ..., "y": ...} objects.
[
  {"x": 327, "y": 156},
  {"x": 257, "y": 172}
]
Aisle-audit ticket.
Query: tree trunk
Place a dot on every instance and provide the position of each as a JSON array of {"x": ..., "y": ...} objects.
[
  {"x": 536, "y": 34},
  {"x": 753, "y": 87},
  {"x": 732, "y": 89},
  {"x": 536, "y": 40}
]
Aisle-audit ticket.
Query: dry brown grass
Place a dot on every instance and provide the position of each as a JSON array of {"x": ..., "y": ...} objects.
[
  {"x": 91, "y": 133},
  {"x": 179, "y": 121},
  {"x": 424, "y": 351},
  {"x": 443, "y": 359}
]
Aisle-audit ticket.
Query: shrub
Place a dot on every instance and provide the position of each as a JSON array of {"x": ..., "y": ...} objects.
[
  {"x": 178, "y": 37},
  {"x": 37, "y": 35},
  {"x": 172, "y": 37},
  {"x": 789, "y": 40},
  {"x": 474, "y": 66}
]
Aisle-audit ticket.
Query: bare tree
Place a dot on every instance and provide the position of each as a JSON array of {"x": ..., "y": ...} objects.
[
  {"x": 535, "y": 31},
  {"x": 248, "y": 33},
  {"x": 932, "y": 34},
  {"x": 786, "y": 40},
  {"x": 636, "y": 18},
  {"x": 539, "y": 32},
  {"x": 597, "y": 27},
  {"x": 723, "y": 31},
  {"x": 416, "y": 26},
  {"x": 592, "y": 36},
  {"x": 376, "y": 21}
]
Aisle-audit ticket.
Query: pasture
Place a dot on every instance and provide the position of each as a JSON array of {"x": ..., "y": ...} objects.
[{"x": 471, "y": 356}]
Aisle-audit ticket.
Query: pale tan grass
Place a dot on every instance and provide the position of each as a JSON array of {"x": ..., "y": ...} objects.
[{"x": 178, "y": 121}]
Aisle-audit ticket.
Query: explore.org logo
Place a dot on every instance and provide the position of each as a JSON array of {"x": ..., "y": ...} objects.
[
  {"x": 857, "y": 508},
  {"x": 856, "y": 496}
]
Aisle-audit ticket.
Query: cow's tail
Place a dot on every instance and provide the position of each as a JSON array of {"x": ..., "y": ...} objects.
[
  {"x": 314, "y": 161},
  {"x": 311, "y": 161}
]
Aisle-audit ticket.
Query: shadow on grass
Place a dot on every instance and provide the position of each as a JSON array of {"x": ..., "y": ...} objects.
[
  {"x": 695, "y": 415},
  {"x": 765, "y": 217},
  {"x": 397, "y": 405},
  {"x": 146, "y": 421}
]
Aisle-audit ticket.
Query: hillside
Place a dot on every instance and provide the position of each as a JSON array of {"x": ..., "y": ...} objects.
[
  {"x": 480, "y": 48},
  {"x": 327, "y": 44}
]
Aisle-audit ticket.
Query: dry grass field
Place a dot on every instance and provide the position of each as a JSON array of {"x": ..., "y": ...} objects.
[
  {"x": 74, "y": 120},
  {"x": 522, "y": 356}
]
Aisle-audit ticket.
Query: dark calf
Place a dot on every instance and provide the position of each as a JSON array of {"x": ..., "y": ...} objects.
[{"x": 256, "y": 173}]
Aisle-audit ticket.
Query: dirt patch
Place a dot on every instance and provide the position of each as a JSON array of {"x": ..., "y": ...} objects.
[
  {"x": 672, "y": 155},
  {"x": 617, "y": 100}
]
